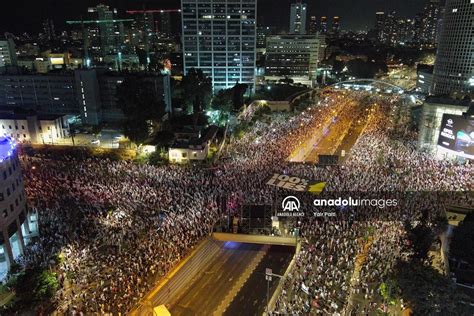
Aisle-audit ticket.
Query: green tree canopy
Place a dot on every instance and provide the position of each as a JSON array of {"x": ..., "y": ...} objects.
[
  {"x": 222, "y": 101},
  {"x": 197, "y": 90},
  {"x": 427, "y": 291},
  {"x": 142, "y": 106}
]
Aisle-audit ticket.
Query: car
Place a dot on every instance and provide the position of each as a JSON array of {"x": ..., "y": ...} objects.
[{"x": 95, "y": 142}]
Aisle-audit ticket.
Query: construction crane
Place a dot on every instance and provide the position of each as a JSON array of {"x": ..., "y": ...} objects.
[
  {"x": 153, "y": 11},
  {"x": 99, "y": 21}
]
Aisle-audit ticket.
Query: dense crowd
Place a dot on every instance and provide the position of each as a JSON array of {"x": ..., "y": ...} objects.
[
  {"x": 384, "y": 160},
  {"x": 119, "y": 226}
]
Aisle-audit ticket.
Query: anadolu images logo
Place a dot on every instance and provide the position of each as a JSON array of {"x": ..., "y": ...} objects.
[
  {"x": 290, "y": 204},
  {"x": 290, "y": 207}
]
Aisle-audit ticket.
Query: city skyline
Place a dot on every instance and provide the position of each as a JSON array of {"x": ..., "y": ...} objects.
[
  {"x": 236, "y": 157},
  {"x": 360, "y": 17}
]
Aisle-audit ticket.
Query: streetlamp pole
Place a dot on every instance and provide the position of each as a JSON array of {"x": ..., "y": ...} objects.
[{"x": 268, "y": 295}]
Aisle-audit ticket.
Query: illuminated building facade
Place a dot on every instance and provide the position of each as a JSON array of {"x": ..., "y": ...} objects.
[
  {"x": 454, "y": 66},
  {"x": 17, "y": 224},
  {"x": 336, "y": 24},
  {"x": 432, "y": 114},
  {"x": 7, "y": 53},
  {"x": 294, "y": 56},
  {"x": 219, "y": 37},
  {"x": 298, "y": 18}
]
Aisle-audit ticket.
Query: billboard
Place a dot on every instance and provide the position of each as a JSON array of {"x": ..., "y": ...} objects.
[
  {"x": 457, "y": 135},
  {"x": 293, "y": 183}
]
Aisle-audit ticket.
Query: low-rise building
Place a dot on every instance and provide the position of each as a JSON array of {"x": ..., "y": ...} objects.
[
  {"x": 294, "y": 56},
  {"x": 192, "y": 149},
  {"x": 33, "y": 128}
]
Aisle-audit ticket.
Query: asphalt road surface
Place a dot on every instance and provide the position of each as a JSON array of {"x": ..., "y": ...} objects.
[
  {"x": 328, "y": 146},
  {"x": 252, "y": 297},
  {"x": 211, "y": 286}
]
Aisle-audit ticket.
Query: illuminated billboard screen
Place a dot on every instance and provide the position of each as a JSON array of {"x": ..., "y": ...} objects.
[{"x": 457, "y": 135}]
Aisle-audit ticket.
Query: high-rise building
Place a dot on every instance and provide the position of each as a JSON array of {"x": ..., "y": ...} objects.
[
  {"x": 313, "y": 25},
  {"x": 298, "y": 18},
  {"x": 219, "y": 37},
  {"x": 143, "y": 32},
  {"x": 48, "y": 28},
  {"x": 454, "y": 66},
  {"x": 431, "y": 16},
  {"x": 405, "y": 31},
  {"x": 17, "y": 224},
  {"x": 323, "y": 26},
  {"x": 294, "y": 56},
  {"x": 7, "y": 53},
  {"x": 165, "y": 23},
  {"x": 103, "y": 35},
  {"x": 386, "y": 26},
  {"x": 262, "y": 33},
  {"x": 380, "y": 20},
  {"x": 391, "y": 26},
  {"x": 335, "y": 24}
]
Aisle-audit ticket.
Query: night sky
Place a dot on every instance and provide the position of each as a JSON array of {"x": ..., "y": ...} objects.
[{"x": 26, "y": 15}]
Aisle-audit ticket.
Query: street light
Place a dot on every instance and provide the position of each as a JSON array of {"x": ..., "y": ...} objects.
[{"x": 268, "y": 276}]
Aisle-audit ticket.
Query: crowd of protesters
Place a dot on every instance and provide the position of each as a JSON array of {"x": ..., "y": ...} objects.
[
  {"x": 384, "y": 160},
  {"x": 118, "y": 227}
]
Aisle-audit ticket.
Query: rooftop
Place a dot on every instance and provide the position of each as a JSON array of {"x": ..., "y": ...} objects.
[
  {"x": 24, "y": 116},
  {"x": 445, "y": 100}
]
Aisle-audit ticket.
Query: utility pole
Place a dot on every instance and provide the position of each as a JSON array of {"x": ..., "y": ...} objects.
[{"x": 268, "y": 276}]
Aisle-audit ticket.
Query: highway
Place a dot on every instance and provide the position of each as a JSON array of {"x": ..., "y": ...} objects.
[
  {"x": 212, "y": 285},
  {"x": 233, "y": 283},
  {"x": 251, "y": 299},
  {"x": 342, "y": 134}
]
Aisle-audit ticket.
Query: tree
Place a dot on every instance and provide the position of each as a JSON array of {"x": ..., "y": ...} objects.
[
  {"x": 238, "y": 95},
  {"x": 427, "y": 291},
  {"x": 46, "y": 286},
  {"x": 362, "y": 69},
  {"x": 141, "y": 105},
  {"x": 421, "y": 237},
  {"x": 197, "y": 90},
  {"x": 35, "y": 286},
  {"x": 389, "y": 290},
  {"x": 223, "y": 100}
]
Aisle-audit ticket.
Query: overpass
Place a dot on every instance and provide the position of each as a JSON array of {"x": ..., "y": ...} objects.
[
  {"x": 369, "y": 85},
  {"x": 220, "y": 275}
]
